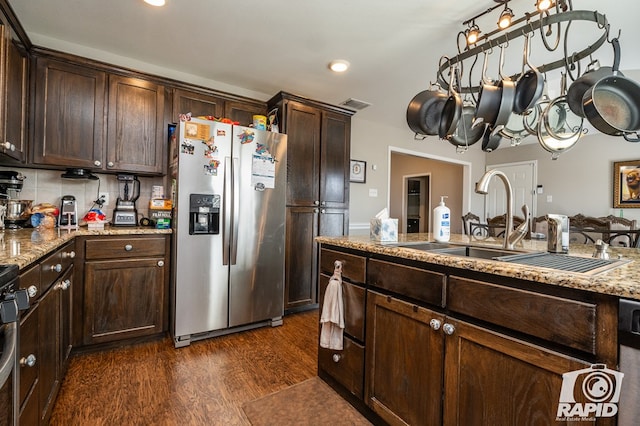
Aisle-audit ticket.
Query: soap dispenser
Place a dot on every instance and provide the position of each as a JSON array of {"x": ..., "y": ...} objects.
[{"x": 442, "y": 222}]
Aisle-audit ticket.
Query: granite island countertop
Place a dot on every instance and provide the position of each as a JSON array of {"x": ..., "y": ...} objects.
[
  {"x": 22, "y": 247},
  {"x": 622, "y": 281}
]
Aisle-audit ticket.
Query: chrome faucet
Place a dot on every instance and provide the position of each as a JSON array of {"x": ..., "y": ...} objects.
[{"x": 510, "y": 237}]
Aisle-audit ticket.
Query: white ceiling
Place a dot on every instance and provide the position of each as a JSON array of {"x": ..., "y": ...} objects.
[{"x": 271, "y": 45}]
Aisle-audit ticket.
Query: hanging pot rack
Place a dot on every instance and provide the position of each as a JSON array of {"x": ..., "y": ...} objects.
[{"x": 529, "y": 27}]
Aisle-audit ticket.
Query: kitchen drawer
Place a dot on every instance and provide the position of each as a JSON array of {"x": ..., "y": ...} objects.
[
  {"x": 419, "y": 284},
  {"x": 67, "y": 254},
  {"x": 30, "y": 281},
  {"x": 353, "y": 297},
  {"x": 52, "y": 267},
  {"x": 111, "y": 248},
  {"x": 353, "y": 267},
  {"x": 346, "y": 366},
  {"x": 564, "y": 321},
  {"x": 28, "y": 353}
]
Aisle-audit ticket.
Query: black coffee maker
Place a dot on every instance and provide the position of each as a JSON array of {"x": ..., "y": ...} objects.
[{"x": 125, "y": 213}]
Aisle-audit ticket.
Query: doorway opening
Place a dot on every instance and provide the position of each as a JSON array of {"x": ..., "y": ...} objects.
[{"x": 417, "y": 196}]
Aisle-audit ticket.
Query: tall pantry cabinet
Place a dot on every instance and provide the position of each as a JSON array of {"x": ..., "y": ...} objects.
[{"x": 318, "y": 150}]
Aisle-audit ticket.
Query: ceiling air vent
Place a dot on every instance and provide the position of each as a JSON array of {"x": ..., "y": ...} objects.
[{"x": 355, "y": 104}]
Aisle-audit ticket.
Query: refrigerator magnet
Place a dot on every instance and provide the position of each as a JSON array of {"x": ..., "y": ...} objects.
[
  {"x": 211, "y": 168},
  {"x": 246, "y": 136},
  {"x": 186, "y": 147}
]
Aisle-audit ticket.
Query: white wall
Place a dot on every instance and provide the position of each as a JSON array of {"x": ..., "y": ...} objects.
[{"x": 370, "y": 141}]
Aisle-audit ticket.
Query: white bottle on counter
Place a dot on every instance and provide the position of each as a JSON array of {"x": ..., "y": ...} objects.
[{"x": 442, "y": 222}]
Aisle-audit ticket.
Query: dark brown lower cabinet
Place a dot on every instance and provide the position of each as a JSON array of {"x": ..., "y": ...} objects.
[
  {"x": 303, "y": 225},
  {"x": 125, "y": 288},
  {"x": 403, "y": 362}
]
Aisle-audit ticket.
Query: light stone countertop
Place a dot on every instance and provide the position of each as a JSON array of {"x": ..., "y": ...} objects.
[
  {"x": 22, "y": 247},
  {"x": 622, "y": 281}
]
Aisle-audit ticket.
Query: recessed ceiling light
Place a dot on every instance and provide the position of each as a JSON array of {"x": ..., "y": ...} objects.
[
  {"x": 155, "y": 2},
  {"x": 339, "y": 65}
]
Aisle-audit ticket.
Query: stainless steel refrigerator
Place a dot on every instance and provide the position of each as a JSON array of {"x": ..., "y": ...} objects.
[{"x": 229, "y": 229}]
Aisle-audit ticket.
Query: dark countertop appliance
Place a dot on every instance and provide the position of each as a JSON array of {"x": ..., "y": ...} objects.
[
  {"x": 125, "y": 213},
  {"x": 629, "y": 341}
]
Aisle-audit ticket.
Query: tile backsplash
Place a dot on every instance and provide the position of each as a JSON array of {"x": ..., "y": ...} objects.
[{"x": 47, "y": 186}]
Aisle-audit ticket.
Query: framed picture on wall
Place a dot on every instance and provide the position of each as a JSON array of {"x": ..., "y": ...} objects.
[
  {"x": 358, "y": 172},
  {"x": 626, "y": 184}
]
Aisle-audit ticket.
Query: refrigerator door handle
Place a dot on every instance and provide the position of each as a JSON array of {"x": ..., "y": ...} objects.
[
  {"x": 226, "y": 202},
  {"x": 236, "y": 209}
]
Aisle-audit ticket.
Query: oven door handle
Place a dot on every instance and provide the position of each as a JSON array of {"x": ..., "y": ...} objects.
[{"x": 8, "y": 352}]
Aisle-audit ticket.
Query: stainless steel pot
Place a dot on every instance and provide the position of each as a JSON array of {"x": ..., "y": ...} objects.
[{"x": 18, "y": 211}]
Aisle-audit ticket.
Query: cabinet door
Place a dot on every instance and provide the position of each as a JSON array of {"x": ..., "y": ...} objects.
[
  {"x": 334, "y": 165},
  {"x": 15, "y": 98},
  {"x": 49, "y": 343},
  {"x": 303, "y": 154},
  {"x": 28, "y": 361},
  {"x": 123, "y": 298},
  {"x": 65, "y": 286},
  {"x": 196, "y": 103},
  {"x": 403, "y": 382},
  {"x": 69, "y": 115},
  {"x": 301, "y": 261},
  {"x": 135, "y": 126},
  {"x": 493, "y": 379},
  {"x": 243, "y": 112}
]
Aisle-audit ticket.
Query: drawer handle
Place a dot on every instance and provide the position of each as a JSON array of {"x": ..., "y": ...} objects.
[
  {"x": 32, "y": 291},
  {"x": 63, "y": 285},
  {"x": 97, "y": 163},
  {"x": 161, "y": 263},
  {"x": 56, "y": 268},
  {"x": 448, "y": 329},
  {"x": 29, "y": 361},
  {"x": 435, "y": 324},
  {"x": 336, "y": 357},
  {"x": 128, "y": 247},
  {"x": 69, "y": 254}
]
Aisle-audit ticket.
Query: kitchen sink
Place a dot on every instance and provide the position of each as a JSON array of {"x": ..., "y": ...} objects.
[
  {"x": 565, "y": 262},
  {"x": 476, "y": 252},
  {"x": 426, "y": 245}
]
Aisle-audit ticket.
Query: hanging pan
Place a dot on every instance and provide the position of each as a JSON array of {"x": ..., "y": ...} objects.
[
  {"x": 508, "y": 95},
  {"x": 491, "y": 138},
  {"x": 425, "y": 109},
  {"x": 489, "y": 97},
  {"x": 452, "y": 108},
  {"x": 592, "y": 75},
  {"x": 530, "y": 84},
  {"x": 612, "y": 105},
  {"x": 466, "y": 134}
]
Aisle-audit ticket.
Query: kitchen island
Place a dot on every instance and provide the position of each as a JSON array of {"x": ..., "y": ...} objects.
[{"x": 435, "y": 338}]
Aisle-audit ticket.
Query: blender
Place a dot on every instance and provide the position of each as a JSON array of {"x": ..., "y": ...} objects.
[
  {"x": 13, "y": 213},
  {"x": 125, "y": 212}
]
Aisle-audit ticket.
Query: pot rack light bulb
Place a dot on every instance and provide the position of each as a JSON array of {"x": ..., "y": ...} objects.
[
  {"x": 505, "y": 18},
  {"x": 339, "y": 65},
  {"x": 155, "y": 2},
  {"x": 472, "y": 34},
  {"x": 543, "y": 5}
]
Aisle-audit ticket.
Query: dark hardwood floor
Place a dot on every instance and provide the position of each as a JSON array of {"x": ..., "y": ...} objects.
[{"x": 205, "y": 383}]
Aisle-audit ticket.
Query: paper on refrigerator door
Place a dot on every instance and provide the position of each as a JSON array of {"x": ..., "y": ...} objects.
[{"x": 263, "y": 168}]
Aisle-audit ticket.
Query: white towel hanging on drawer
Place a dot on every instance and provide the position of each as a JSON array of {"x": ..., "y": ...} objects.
[{"x": 332, "y": 318}]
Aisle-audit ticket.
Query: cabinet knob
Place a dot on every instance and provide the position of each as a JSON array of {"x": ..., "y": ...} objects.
[
  {"x": 110, "y": 164},
  {"x": 336, "y": 357},
  {"x": 63, "y": 285},
  {"x": 28, "y": 361},
  {"x": 316, "y": 203},
  {"x": 6, "y": 145},
  {"x": 435, "y": 324},
  {"x": 322, "y": 211},
  {"x": 32, "y": 291},
  {"x": 323, "y": 203},
  {"x": 97, "y": 163},
  {"x": 56, "y": 268},
  {"x": 316, "y": 210},
  {"x": 69, "y": 254},
  {"x": 128, "y": 247},
  {"x": 448, "y": 329},
  {"x": 160, "y": 263}
]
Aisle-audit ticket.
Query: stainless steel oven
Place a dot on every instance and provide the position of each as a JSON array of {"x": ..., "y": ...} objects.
[
  {"x": 629, "y": 338},
  {"x": 11, "y": 301}
]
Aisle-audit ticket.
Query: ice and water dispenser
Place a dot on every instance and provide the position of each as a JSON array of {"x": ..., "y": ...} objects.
[{"x": 204, "y": 214}]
